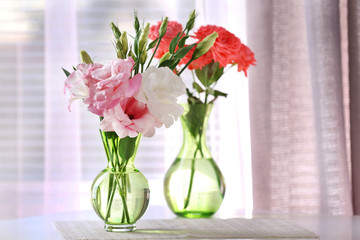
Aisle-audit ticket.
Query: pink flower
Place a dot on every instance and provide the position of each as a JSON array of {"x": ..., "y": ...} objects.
[
  {"x": 74, "y": 83},
  {"x": 109, "y": 83},
  {"x": 129, "y": 118}
]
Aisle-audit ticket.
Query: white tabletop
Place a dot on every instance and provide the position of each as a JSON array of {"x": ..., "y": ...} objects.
[{"x": 42, "y": 227}]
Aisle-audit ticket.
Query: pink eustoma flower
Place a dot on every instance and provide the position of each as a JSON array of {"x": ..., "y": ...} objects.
[
  {"x": 128, "y": 118},
  {"x": 75, "y": 84},
  {"x": 110, "y": 83}
]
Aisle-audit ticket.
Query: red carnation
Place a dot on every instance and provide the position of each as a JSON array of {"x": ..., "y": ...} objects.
[{"x": 227, "y": 49}]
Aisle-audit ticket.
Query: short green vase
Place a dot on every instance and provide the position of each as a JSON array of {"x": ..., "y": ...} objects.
[
  {"x": 194, "y": 186},
  {"x": 120, "y": 193}
]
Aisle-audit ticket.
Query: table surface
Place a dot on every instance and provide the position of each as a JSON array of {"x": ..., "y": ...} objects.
[{"x": 42, "y": 227}]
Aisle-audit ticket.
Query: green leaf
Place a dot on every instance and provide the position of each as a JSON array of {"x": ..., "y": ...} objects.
[
  {"x": 210, "y": 91},
  {"x": 183, "y": 51},
  {"x": 194, "y": 119},
  {"x": 214, "y": 72},
  {"x": 201, "y": 75},
  {"x": 127, "y": 147},
  {"x": 197, "y": 87},
  {"x": 85, "y": 57},
  {"x": 182, "y": 41},
  {"x": 191, "y": 98},
  {"x": 209, "y": 74},
  {"x": 218, "y": 72},
  {"x": 175, "y": 63},
  {"x": 218, "y": 93},
  {"x": 152, "y": 44},
  {"x": 66, "y": 72},
  {"x": 173, "y": 43},
  {"x": 171, "y": 63}
]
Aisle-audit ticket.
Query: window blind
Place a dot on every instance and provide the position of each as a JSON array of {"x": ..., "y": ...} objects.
[{"x": 22, "y": 69}]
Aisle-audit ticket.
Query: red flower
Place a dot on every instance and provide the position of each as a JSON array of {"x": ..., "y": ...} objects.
[
  {"x": 227, "y": 49},
  {"x": 173, "y": 28},
  {"x": 245, "y": 59}
]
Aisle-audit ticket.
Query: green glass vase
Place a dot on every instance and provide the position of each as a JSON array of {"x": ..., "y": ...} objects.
[
  {"x": 194, "y": 186},
  {"x": 120, "y": 193}
]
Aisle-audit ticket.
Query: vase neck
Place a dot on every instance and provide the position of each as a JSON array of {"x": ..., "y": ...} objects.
[
  {"x": 120, "y": 152},
  {"x": 194, "y": 122}
]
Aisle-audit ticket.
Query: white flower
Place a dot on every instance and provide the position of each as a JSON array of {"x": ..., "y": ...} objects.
[{"x": 159, "y": 89}]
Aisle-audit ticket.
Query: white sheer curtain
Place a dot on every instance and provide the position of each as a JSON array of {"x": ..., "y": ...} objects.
[
  {"x": 49, "y": 156},
  {"x": 231, "y": 140}
]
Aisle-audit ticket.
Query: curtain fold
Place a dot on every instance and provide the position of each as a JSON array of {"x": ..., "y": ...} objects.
[
  {"x": 354, "y": 83},
  {"x": 297, "y": 111}
]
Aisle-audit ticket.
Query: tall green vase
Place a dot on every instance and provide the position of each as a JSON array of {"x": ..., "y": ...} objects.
[
  {"x": 194, "y": 186},
  {"x": 120, "y": 193}
]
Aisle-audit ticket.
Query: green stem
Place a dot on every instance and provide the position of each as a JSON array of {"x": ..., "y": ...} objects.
[
  {"x": 187, "y": 64},
  {"x": 198, "y": 148},
  {"x": 152, "y": 56},
  {"x": 122, "y": 188},
  {"x": 110, "y": 197},
  {"x": 111, "y": 144}
]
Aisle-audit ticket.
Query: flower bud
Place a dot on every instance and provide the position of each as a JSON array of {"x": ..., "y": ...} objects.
[
  {"x": 136, "y": 23},
  {"x": 115, "y": 30},
  {"x": 143, "y": 57},
  {"x": 191, "y": 22},
  {"x": 118, "y": 45},
  {"x": 120, "y": 54},
  {"x": 124, "y": 42},
  {"x": 132, "y": 55},
  {"x": 166, "y": 56},
  {"x": 163, "y": 27},
  {"x": 144, "y": 36},
  {"x": 85, "y": 58},
  {"x": 204, "y": 46}
]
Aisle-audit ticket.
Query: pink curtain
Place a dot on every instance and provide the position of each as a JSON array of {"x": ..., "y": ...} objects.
[
  {"x": 354, "y": 83},
  {"x": 299, "y": 105}
]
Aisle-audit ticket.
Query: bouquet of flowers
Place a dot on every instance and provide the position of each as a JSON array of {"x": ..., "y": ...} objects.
[
  {"x": 194, "y": 157},
  {"x": 132, "y": 97},
  {"x": 129, "y": 97},
  {"x": 227, "y": 51}
]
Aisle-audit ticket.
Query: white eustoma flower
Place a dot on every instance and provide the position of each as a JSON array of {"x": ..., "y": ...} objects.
[{"x": 159, "y": 89}]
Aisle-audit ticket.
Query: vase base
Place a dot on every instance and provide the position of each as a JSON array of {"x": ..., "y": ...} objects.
[
  {"x": 189, "y": 214},
  {"x": 120, "y": 228}
]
